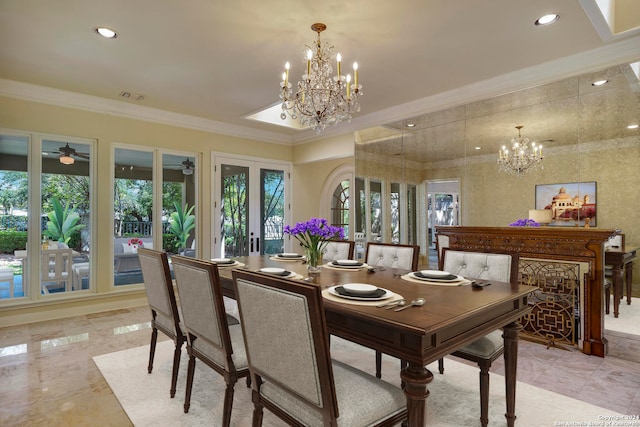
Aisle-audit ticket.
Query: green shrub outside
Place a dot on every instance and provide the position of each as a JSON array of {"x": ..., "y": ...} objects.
[{"x": 12, "y": 240}]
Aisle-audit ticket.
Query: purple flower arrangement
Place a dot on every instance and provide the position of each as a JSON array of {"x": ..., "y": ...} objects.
[
  {"x": 313, "y": 236},
  {"x": 313, "y": 233},
  {"x": 524, "y": 222}
]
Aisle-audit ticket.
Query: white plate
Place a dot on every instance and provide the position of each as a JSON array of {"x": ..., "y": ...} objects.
[
  {"x": 272, "y": 270},
  {"x": 429, "y": 279},
  {"x": 289, "y": 255},
  {"x": 435, "y": 273},
  {"x": 223, "y": 261},
  {"x": 359, "y": 288},
  {"x": 347, "y": 261},
  {"x": 352, "y": 266},
  {"x": 387, "y": 295}
]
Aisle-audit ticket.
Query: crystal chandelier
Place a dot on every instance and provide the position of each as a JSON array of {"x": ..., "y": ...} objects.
[
  {"x": 520, "y": 159},
  {"x": 320, "y": 98}
]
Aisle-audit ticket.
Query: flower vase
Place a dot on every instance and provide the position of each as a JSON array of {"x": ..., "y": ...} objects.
[{"x": 314, "y": 259}]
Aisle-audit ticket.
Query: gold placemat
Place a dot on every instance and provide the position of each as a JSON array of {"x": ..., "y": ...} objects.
[
  {"x": 331, "y": 297},
  {"x": 332, "y": 267},
  {"x": 428, "y": 282}
]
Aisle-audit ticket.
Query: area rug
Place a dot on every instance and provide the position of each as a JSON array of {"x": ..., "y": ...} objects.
[{"x": 454, "y": 398}]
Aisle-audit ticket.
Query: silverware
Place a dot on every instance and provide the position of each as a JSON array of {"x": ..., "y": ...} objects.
[
  {"x": 416, "y": 302},
  {"x": 399, "y": 304},
  {"x": 391, "y": 304}
]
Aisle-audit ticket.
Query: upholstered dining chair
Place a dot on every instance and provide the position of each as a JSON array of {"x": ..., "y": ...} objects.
[
  {"x": 502, "y": 267},
  {"x": 165, "y": 316},
  {"x": 210, "y": 336},
  {"x": 338, "y": 249},
  {"x": 292, "y": 372},
  {"x": 390, "y": 255}
]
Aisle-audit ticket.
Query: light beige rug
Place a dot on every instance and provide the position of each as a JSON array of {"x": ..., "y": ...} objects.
[{"x": 454, "y": 399}]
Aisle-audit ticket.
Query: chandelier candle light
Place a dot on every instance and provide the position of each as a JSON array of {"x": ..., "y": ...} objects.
[
  {"x": 520, "y": 160},
  {"x": 320, "y": 98}
]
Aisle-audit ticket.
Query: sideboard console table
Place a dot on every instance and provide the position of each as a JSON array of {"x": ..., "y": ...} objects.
[{"x": 554, "y": 248}]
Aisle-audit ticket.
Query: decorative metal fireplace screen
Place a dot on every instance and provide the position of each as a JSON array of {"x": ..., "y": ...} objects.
[{"x": 556, "y": 312}]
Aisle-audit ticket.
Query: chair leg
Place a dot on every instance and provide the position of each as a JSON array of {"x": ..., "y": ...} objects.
[
  {"x": 378, "y": 364},
  {"x": 607, "y": 300},
  {"x": 228, "y": 403},
  {"x": 190, "y": 371},
  {"x": 441, "y": 366},
  {"x": 176, "y": 367},
  {"x": 152, "y": 349},
  {"x": 484, "y": 391},
  {"x": 257, "y": 415}
]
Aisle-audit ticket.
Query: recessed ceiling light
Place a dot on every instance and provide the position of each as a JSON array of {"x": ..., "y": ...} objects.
[
  {"x": 600, "y": 82},
  {"x": 547, "y": 19},
  {"x": 107, "y": 33},
  {"x": 632, "y": 127},
  {"x": 478, "y": 148},
  {"x": 410, "y": 125}
]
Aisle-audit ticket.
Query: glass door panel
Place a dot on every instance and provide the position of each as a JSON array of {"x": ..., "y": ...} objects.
[
  {"x": 272, "y": 212},
  {"x": 375, "y": 203},
  {"x": 395, "y": 213},
  {"x": 250, "y": 208},
  {"x": 234, "y": 210},
  {"x": 443, "y": 210},
  {"x": 412, "y": 213}
]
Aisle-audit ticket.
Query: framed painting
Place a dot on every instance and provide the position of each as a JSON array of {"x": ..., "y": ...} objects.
[{"x": 572, "y": 204}]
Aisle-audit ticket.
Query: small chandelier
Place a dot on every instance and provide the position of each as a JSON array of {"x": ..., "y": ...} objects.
[
  {"x": 320, "y": 98},
  {"x": 520, "y": 159}
]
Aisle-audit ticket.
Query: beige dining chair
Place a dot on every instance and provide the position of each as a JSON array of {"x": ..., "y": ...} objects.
[
  {"x": 502, "y": 267},
  {"x": 390, "y": 255},
  {"x": 338, "y": 249},
  {"x": 165, "y": 316},
  {"x": 210, "y": 336},
  {"x": 293, "y": 375}
]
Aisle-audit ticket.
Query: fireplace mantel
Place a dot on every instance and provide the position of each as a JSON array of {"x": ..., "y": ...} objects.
[{"x": 555, "y": 243}]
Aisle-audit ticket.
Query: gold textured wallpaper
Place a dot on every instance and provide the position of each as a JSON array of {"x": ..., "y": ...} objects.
[{"x": 583, "y": 130}]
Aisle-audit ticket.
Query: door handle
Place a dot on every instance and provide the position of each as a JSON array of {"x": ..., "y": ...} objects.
[
  {"x": 258, "y": 244},
  {"x": 251, "y": 245}
]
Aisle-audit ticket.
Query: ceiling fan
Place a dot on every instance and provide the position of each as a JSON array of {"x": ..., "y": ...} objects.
[
  {"x": 68, "y": 154},
  {"x": 187, "y": 167}
]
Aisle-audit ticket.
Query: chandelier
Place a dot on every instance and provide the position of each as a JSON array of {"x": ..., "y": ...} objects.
[
  {"x": 320, "y": 98},
  {"x": 520, "y": 159}
]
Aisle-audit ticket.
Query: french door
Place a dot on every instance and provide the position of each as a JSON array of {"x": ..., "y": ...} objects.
[{"x": 250, "y": 207}]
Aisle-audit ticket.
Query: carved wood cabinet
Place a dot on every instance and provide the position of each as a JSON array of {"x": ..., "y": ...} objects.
[{"x": 567, "y": 265}]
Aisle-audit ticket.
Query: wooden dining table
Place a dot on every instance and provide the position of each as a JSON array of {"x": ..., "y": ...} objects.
[{"x": 451, "y": 317}]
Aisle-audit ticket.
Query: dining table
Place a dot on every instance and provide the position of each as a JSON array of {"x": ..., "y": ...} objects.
[
  {"x": 451, "y": 317},
  {"x": 621, "y": 260}
]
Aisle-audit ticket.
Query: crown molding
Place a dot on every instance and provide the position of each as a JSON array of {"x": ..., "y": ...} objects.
[{"x": 62, "y": 98}]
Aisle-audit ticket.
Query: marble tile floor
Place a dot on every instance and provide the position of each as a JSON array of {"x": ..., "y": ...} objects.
[{"x": 48, "y": 377}]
